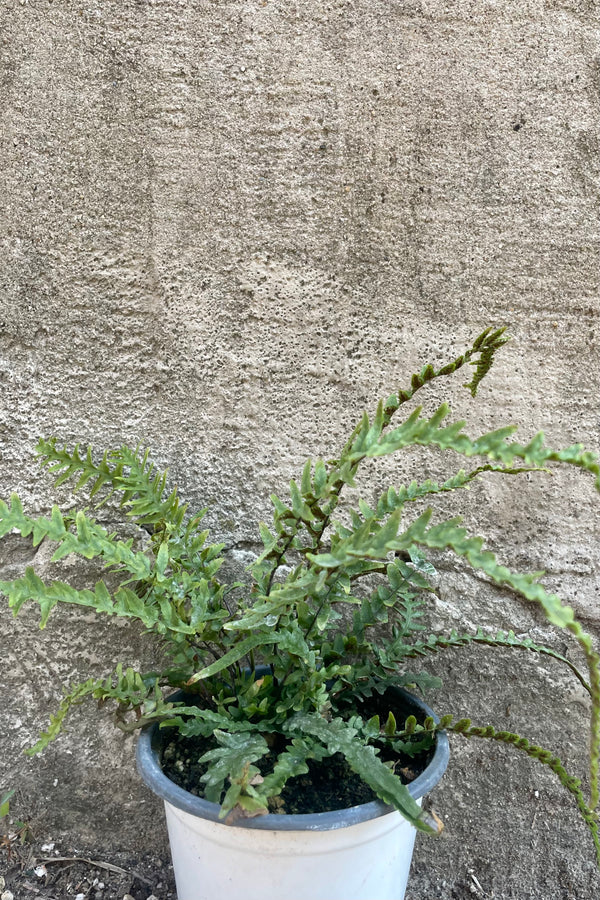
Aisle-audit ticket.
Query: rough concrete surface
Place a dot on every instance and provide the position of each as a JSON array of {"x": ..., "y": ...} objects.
[{"x": 226, "y": 228}]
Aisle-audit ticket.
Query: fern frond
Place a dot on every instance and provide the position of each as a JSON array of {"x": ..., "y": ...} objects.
[
  {"x": 125, "y": 602},
  {"x": 410, "y": 613},
  {"x": 31, "y": 587},
  {"x": 593, "y": 662},
  {"x": 340, "y": 737},
  {"x": 420, "y": 431},
  {"x": 534, "y": 751},
  {"x": 65, "y": 464},
  {"x": 314, "y": 503},
  {"x": 546, "y": 757},
  {"x": 228, "y": 762},
  {"x": 435, "y": 643},
  {"x": 128, "y": 688},
  {"x": 375, "y": 541},
  {"x": 90, "y": 540},
  {"x": 484, "y": 346},
  {"x": 12, "y": 518},
  {"x": 290, "y": 763},
  {"x": 395, "y": 498},
  {"x": 557, "y": 613},
  {"x": 72, "y": 698},
  {"x": 137, "y": 693},
  {"x": 126, "y": 471},
  {"x": 233, "y": 656}
]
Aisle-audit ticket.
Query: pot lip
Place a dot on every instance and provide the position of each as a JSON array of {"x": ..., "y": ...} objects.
[{"x": 150, "y": 770}]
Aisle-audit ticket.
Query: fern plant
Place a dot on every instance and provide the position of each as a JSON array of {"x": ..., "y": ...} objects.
[{"x": 333, "y": 607}]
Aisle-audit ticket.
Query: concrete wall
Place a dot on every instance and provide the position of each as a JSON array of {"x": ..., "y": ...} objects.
[{"x": 226, "y": 228}]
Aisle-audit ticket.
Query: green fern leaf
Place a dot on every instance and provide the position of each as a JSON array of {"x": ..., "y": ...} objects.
[
  {"x": 340, "y": 737},
  {"x": 228, "y": 761},
  {"x": 75, "y": 696}
]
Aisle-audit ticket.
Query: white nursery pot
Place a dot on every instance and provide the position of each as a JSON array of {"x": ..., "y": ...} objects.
[
  {"x": 360, "y": 853},
  {"x": 367, "y": 861}
]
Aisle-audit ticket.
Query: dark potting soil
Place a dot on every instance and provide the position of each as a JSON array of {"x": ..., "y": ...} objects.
[{"x": 328, "y": 785}]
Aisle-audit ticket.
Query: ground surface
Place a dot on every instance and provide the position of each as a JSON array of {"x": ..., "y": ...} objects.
[{"x": 32, "y": 870}]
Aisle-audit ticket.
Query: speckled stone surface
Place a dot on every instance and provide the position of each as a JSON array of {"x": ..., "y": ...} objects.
[{"x": 226, "y": 229}]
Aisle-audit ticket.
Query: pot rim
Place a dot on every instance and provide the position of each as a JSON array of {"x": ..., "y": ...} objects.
[{"x": 150, "y": 770}]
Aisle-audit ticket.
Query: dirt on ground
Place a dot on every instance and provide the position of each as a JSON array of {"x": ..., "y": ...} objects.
[{"x": 31, "y": 870}]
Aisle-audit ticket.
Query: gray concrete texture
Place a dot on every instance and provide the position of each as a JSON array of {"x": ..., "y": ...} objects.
[{"x": 226, "y": 228}]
